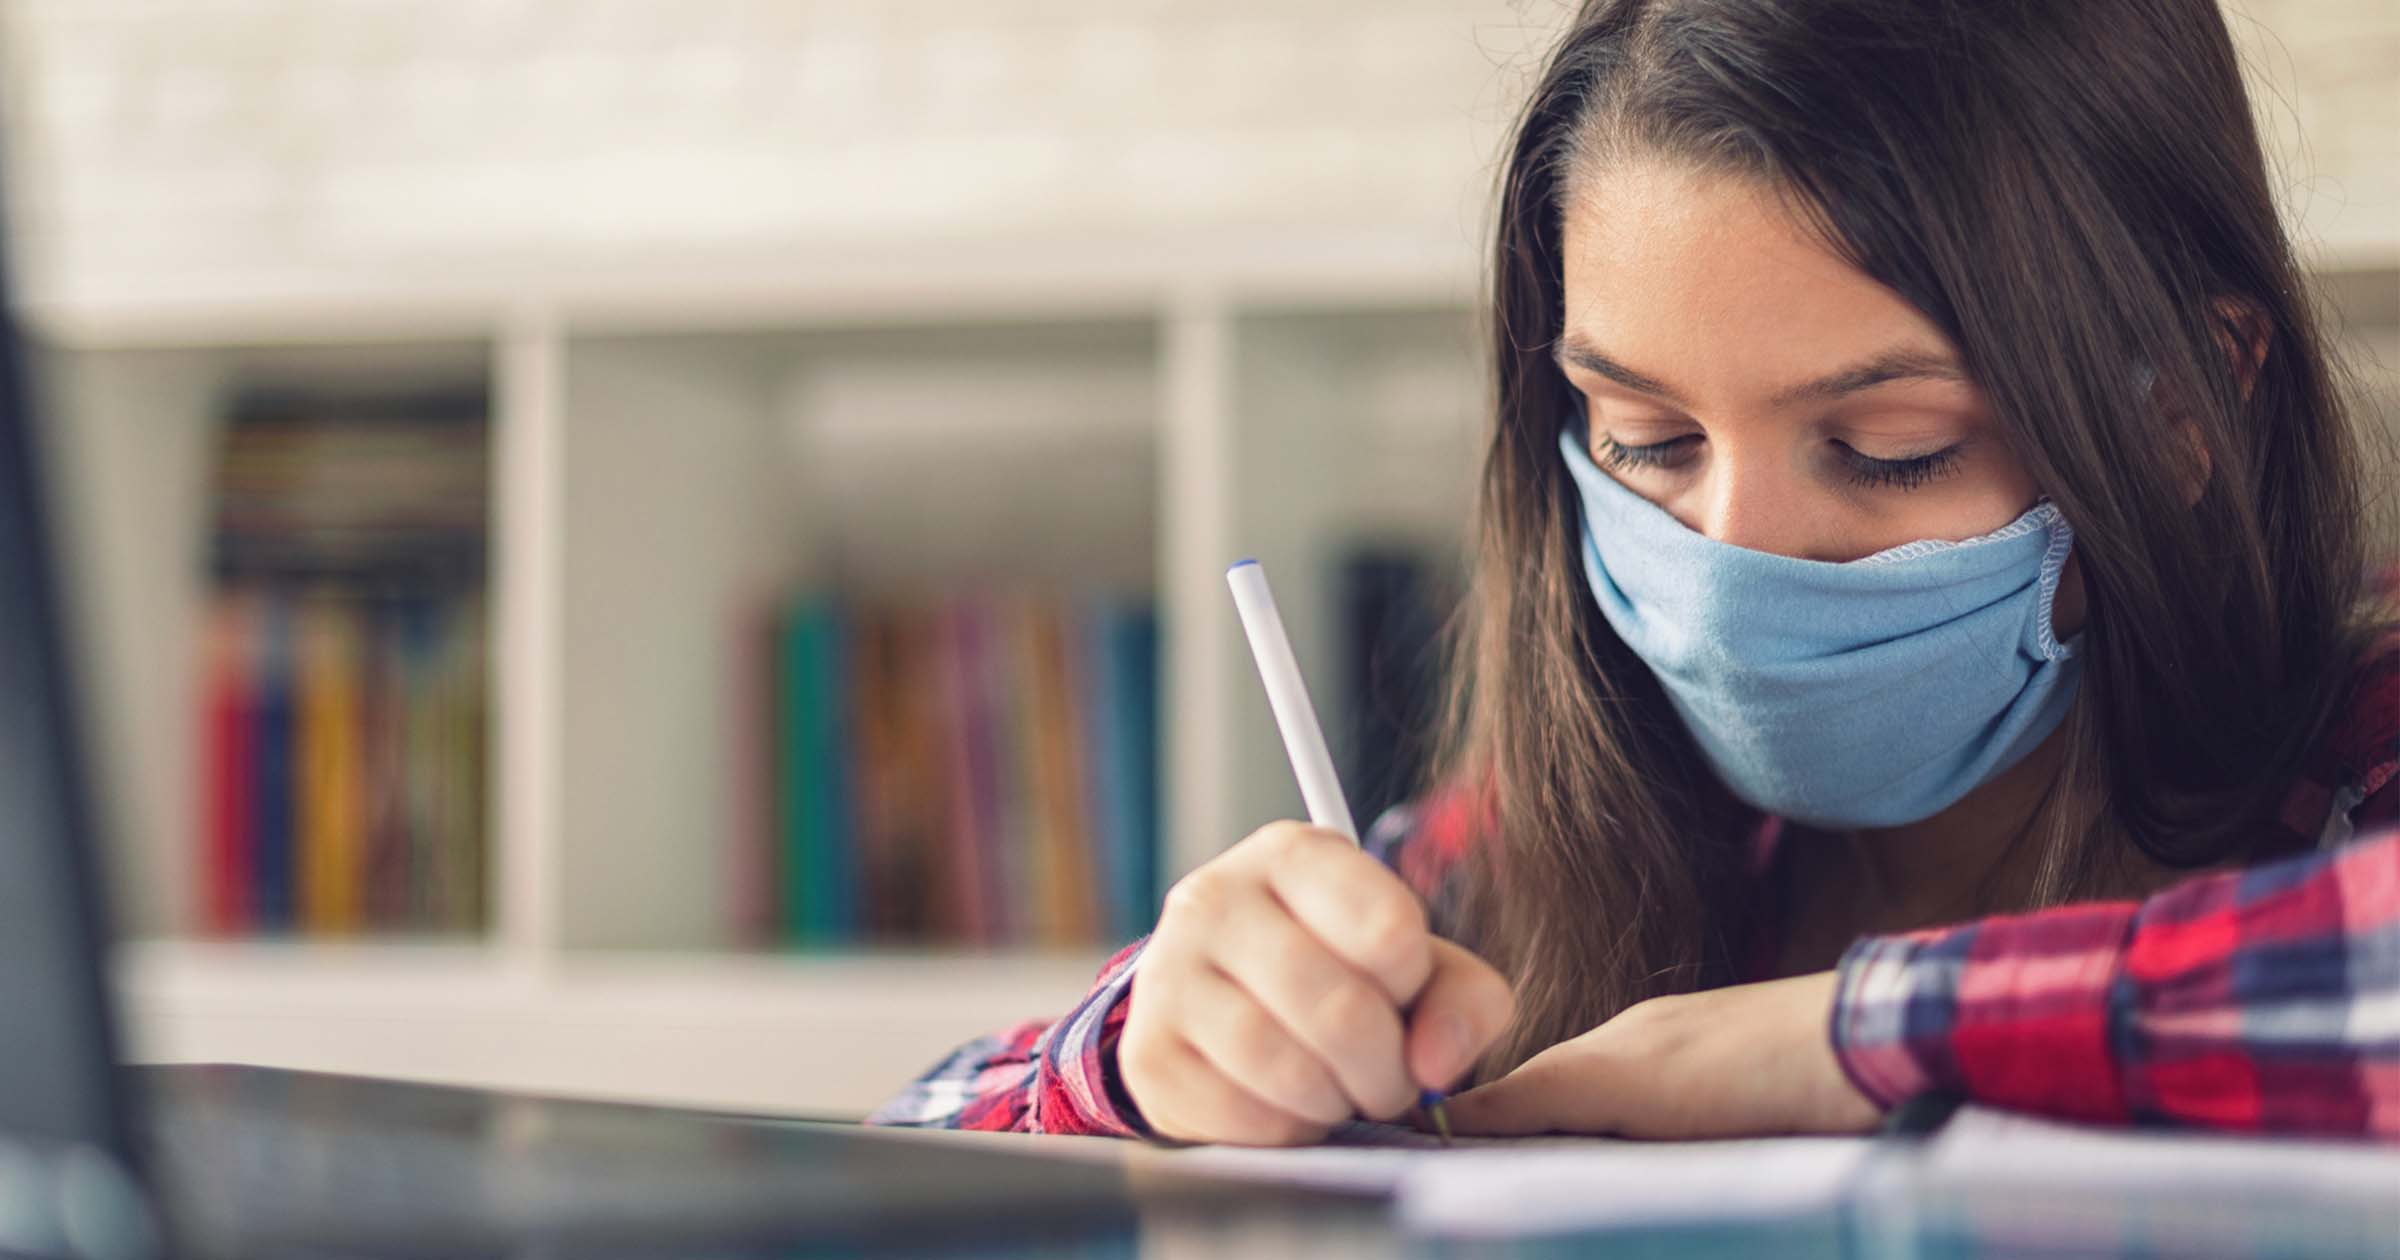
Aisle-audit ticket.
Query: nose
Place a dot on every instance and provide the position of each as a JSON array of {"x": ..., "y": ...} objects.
[{"x": 1758, "y": 501}]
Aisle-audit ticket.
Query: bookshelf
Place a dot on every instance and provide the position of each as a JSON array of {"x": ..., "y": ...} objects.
[
  {"x": 659, "y": 450},
  {"x": 1139, "y": 423}
]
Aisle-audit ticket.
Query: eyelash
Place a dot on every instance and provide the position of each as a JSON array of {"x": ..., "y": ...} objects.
[{"x": 1862, "y": 470}]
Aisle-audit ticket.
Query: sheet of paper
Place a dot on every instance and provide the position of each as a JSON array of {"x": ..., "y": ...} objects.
[
  {"x": 1503, "y": 1186},
  {"x": 1994, "y": 1175},
  {"x": 1986, "y": 1147},
  {"x": 2019, "y": 1184},
  {"x": 1361, "y": 1155},
  {"x": 1500, "y": 1192}
]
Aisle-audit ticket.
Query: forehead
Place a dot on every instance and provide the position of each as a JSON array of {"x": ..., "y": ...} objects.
[{"x": 1663, "y": 264}]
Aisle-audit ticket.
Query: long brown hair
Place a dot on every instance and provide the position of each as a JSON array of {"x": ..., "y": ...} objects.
[{"x": 2073, "y": 191}]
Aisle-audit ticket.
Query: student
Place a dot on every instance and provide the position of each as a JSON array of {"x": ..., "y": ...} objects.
[{"x": 1920, "y": 637}]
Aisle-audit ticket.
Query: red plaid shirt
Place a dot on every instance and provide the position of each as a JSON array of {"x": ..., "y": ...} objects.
[{"x": 2267, "y": 998}]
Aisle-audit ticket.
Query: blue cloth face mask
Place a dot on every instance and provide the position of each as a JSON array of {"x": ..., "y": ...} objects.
[{"x": 1863, "y": 694}]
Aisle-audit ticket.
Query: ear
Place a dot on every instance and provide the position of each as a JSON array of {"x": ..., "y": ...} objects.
[{"x": 2242, "y": 334}]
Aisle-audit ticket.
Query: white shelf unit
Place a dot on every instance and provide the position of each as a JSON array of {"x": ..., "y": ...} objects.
[
  {"x": 657, "y": 463},
  {"x": 663, "y": 442}
]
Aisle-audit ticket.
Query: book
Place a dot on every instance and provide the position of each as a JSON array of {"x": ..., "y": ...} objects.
[
  {"x": 465, "y": 687},
  {"x": 819, "y": 893},
  {"x": 384, "y": 743},
  {"x": 1062, "y": 847},
  {"x": 975, "y": 830},
  {"x": 330, "y": 844},
  {"x": 274, "y": 803},
  {"x": 1132, "y": 645},
  {"x": 229, "y": 776}
]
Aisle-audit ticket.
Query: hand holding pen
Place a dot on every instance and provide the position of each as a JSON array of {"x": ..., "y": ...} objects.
[{"x": 1293, "y": 983}]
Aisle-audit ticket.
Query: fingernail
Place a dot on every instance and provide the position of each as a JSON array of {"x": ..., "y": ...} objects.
[{"x": 1450, "y": 1048}]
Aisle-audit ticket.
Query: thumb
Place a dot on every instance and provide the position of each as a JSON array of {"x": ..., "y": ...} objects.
[
  {"x": 1462, "y": 1008},
  {"x": 1557, "y": 1090}
]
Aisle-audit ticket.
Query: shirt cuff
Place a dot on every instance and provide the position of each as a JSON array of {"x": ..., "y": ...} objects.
[
  {"x": 2011, "y": 1011},
  {"x": 1891, "y": 1015},
  {"x": 1082, "y": 1091}
]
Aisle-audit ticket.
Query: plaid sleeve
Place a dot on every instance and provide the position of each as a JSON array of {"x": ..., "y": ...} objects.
[
  {"x": 2261, "y": 999},
  {"x": 1036, "y": 1077},
  {"x": 1425, "y": 841}
]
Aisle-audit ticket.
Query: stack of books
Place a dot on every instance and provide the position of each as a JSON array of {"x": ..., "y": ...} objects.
[
  {"x": 343, "y": 668},
  {"x": 975, "y": 770}
]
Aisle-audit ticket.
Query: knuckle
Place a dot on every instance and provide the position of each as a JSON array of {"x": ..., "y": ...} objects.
[
  {"x": 1492, "y": 991},
  {"x": 1138, "y": 1049},
  {"x": 1198, "y": 896},
  {"x": 1392, "y": 930},
  {"x": 1351, "y": 1014},
  {"x": 1272, "y": 1126},
  {"x": 1284, "y": 837},
  {"x": 1292, "y": 1073},
  {"x": 1249, "y": 1034},
  {"x": 1289, "y": 838}
]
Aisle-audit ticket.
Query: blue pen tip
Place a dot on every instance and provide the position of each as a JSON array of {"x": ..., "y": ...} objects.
[{"x": 1239, "y": 563}]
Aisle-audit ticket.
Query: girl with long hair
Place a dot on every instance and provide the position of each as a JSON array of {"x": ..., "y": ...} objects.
[{"x": 1920, "y": 637}]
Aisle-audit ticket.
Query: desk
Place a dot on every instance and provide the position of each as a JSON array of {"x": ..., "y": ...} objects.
[{"x": 364, "y": 1150}]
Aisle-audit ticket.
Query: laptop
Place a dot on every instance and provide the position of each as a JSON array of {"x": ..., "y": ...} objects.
[{"x": 104, "y": 1161}]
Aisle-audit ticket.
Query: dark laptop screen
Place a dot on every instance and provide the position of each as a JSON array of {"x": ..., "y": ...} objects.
[{"x": 55, "y": 1047}]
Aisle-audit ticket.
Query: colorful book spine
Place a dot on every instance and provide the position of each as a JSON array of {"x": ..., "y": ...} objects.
[
  {"x": 979, "y": 835},
  {"x": 331, "y": 843},
  {"x": 465, "y": 681},
  {"x": 819, "y": 890},
  {"x": 229, "y": 776},
  {"x": 421, "y": 737},
  {"x": 1134, "y": 639},
  {"x": 878, "y": 796},
  {"x": 1108, "y": 790},
  {"x": 1015, "y": 893},
  {"x": 919, "y": 887},
  {"x": 274, "y": 801},
  {"x": 383, "y": 717},
  {"x": 1070, "y": 912},
  {"x": 839, "y": 892}
]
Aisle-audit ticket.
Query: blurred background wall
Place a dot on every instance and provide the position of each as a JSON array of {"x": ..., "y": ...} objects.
[{"x": 846, "y": 411}]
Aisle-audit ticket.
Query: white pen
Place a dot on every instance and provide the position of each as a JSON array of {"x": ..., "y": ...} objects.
[{"x": 1303, "y": 738}]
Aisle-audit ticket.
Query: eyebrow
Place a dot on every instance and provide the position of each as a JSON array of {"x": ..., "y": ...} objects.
[{"x": 1896, "y": 364}]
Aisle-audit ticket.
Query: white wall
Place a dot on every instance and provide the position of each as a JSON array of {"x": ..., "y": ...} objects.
[{"x": 413, "y": 146}]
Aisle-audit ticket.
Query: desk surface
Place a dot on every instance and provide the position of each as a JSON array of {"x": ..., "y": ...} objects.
[{"x": 344, "y": 1149}]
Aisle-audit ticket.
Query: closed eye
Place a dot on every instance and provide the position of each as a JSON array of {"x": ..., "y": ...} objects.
[
  {"x": 1859, "y": 469},
  {"x": 1903, "y": 474},
  {"x": 1655, "y": 455}
]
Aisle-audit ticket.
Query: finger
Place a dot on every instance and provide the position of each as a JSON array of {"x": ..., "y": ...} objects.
[
  {"x": 1340, "y": 1014},
  {"x": 1242, "y": 1040},
  {"x": 1556, "y": 1091},
  {"x": 1207, "y": 1106},
  {"x": 1463, "y": 1008},
  {"x": 1354, "y": 904}
]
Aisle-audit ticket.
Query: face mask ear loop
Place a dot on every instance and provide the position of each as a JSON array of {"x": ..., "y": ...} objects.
[{"x": 2054, "y": 565}]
